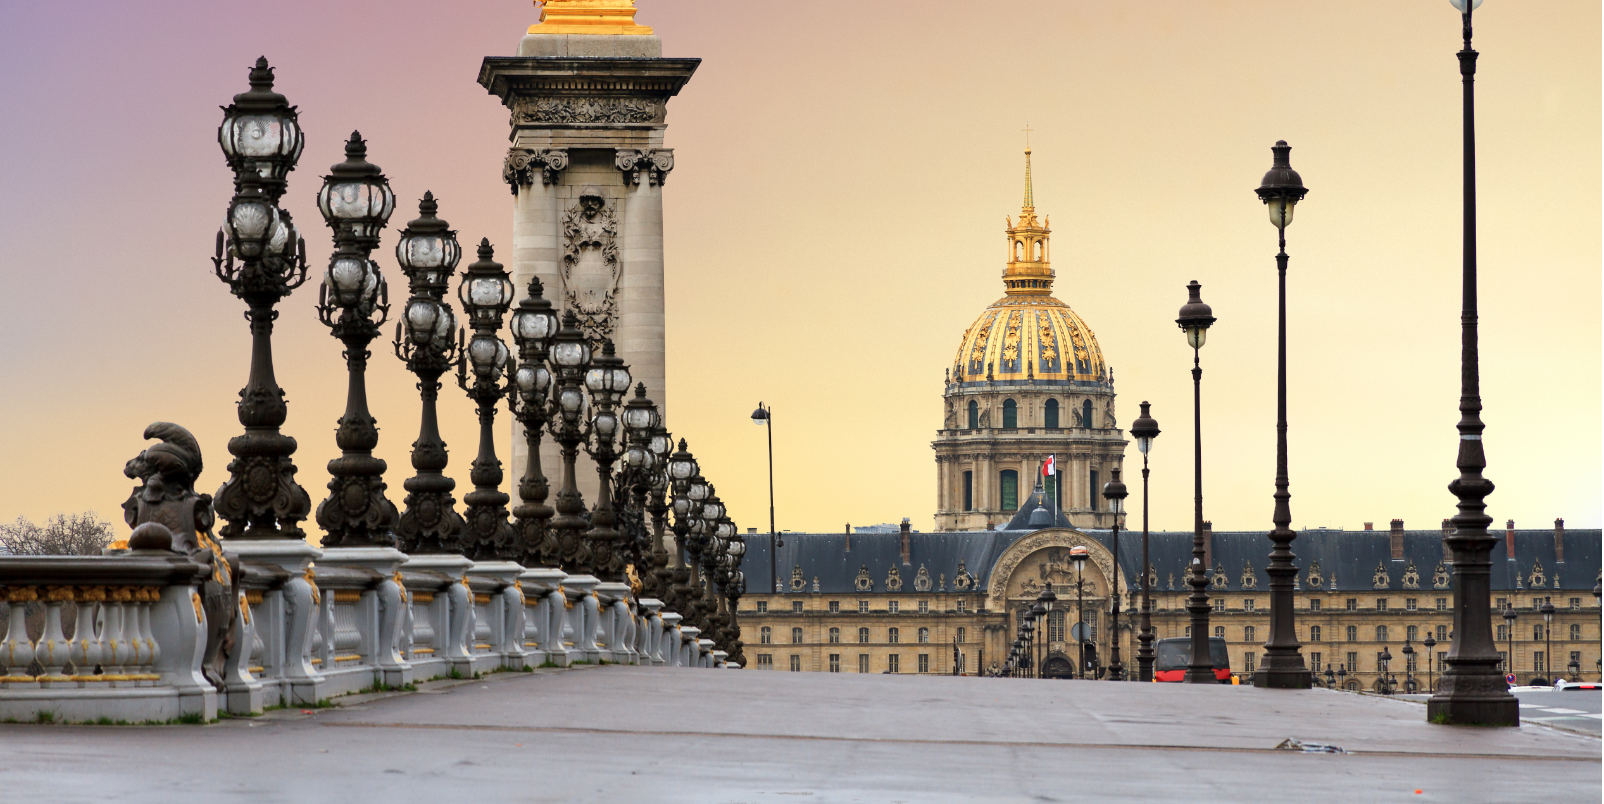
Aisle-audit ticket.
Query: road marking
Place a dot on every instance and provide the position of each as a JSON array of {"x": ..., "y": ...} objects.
[{"x": 1558, "y": 711}]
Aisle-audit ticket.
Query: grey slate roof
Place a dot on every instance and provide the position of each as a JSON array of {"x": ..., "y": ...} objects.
[{"x": 1353, "y": 556}]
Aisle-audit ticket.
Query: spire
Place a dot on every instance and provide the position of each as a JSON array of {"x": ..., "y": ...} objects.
[
  {"x": 1030, "y": 197},
  {"x": 1029, "y": 272}
]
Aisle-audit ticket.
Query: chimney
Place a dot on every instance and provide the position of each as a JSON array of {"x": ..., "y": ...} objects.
[
  {"x": 905, "y": 540},
  {"x": 1397, "y": 539},
  {"x": 1509, "y": 539},
  {"x": 991, "y": 525},
  {"x": 1208, "y": 546},
  {"x": 1370, "y": 526},
  {"x": 1559, "y": 540},
  {"x": 1447, "y": 530},
  {"x": 849, "y": 537}
]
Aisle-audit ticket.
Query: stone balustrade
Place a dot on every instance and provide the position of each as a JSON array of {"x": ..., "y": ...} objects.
[{"x": 314, "y": 624}]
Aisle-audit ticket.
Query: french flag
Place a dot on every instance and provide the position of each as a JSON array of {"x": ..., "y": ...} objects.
[{"x": 1049, "y": 467}]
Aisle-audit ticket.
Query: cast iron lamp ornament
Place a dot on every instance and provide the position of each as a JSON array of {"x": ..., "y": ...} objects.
[
  {"x": 570, "y": 356},
  {"x": 261, "y": 257},
  {"x": 1509, "y": 638},
  {"x": 662, "y": 446},
  {"x": 534, "y": 324},
  {"x": 1045, "y": 601},
  {"x": 1385, "y": 675},
  {"x": 681, "y": 469},
  {"x": 641, "y": 421},
  {"x": 486, "y": 293},
  {"x": 1114, "y": 491},
  {"x": 704, "y": 543},
  {"x": 1471, "y": 691},
  {"x": 1196, "y": 318},
  {"x": 607, "y": 380},
  {"x": 1078, "y": 555},
  {"x": 1428, "y": 643},
  {"x": 1547, "y": 610},
  {"x": 1144, "y": 430},
  {"x": 1409, "y": 672},
  {"x": 425, "y": 338},
  {"x": 354, "y": 302},
  {"x": 1283, "y": 667}
]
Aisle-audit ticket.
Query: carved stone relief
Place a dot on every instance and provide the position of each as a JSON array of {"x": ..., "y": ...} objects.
[
  {"x": 521, "y": 164},
  {"x": 863, "y": 583},
  {"x": 893, "y": 580},
  {"x": 1314, "y": 575},
  {"x": 1249, "y": 580},
  {"x": 1017, "y": 553},
  {"x": 591, "y": 267},
  {"x": 1536, "y": 578},
  {"x": 1381, "y": 580},
  {"x": 798, "y": 581},
  {"x": 583, "y": 110},
  {"x": 1411, "y": 577},
  {"x": 921, "y": 581}
]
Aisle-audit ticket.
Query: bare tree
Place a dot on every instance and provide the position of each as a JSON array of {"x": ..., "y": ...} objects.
[{"x": 76, "y": 535}]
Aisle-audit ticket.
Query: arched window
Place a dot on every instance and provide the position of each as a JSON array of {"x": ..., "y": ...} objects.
[
  {"x": 765, "y": 635},
  {"x": 1010, "y": 414},
  {"x": 1038, "y": 251},
  {"x": 974, "y": 415},
  {"x": 1086, "y": 414},
  {"x": 796, "y": 636},
  {"x": 835, "y": 635},
  {"x": 924, "y": 635},
  {"x": 1019, "y": 250},
  {"x": 1050, "y": 413},
  {"x": 892, "y": 635},
  {"x": 863, "y": 635},
  {"x": 1247, "y": 634},
  {"x": 961, "y": 633},
  {"x": 969, "y": 491},
  {"x": 1381, "y": 633},
  {"x": 1009, "y": 480}
]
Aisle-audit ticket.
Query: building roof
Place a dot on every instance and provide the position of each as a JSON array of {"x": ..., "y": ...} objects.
[{"x": 1343, "y": 560}]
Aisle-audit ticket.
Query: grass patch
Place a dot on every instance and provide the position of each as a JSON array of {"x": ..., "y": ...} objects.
[
  {"x": 549, "y": 663},
  {"x": 43, "y": 716}
]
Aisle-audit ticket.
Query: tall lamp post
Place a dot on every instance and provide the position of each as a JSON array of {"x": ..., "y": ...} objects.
[
  {"x": 1114, "y": 492},
  {"x": 486, "y": 293},
  {"x": 1283, "y": 667},
  {"x": 1145, "y": 429},
  {"x": 1548, "y": 639},
  {"x": 534, "y": 323},
  {"x": 1429, "y": 643},
  {"x": 1509, "y": 639},
  {"x": 261, "y": 257},
  {"x": 356, "y": 202},
  {"x": 426, "y": 340},
  {"x": 1470, "y": 692},
  {"x": 1196, "y": 318},
  {"x": 570, "y": 355},
  {"x": 1078, "y": 555},
  {"x": 1046, "y": 600},
  {"x": 608, "y": 381},
  {"x": 765, "y": 417}
]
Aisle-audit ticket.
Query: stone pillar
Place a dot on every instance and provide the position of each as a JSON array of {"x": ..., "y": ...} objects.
[{"x": 589, "y": 111}]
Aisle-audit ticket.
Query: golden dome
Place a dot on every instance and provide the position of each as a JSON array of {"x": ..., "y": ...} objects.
[{"x": 1028, "y": 334}]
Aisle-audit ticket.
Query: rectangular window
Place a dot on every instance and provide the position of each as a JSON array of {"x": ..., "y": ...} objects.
[
  {"x": 1353, "y": 604},
  {"x": 796, "y": 664},
  {"x": 1009, "y": 484},
  {"x": 924, "y": 662},
  {"x": 1381, "y": 604},
  {"x": 1409, "y": 603},
  {"x": 1378, "y": 662},
  {"x": 863, "y": 662},
  {"x": 1091, "y": 622},
  {"x": 1381, "y": 633},
  {"x": 1410, "y": 635},
  {"x": 1219, "y": 604},
  {"x": 894, "y": 663},
  {"x": 1247, "y": 604},
  {"x": 796, "y": 607},
  {"x": 961, "y": 633},
  {"x": 1503, "y": 660},
  {"x": 1576, "y": 602},
  {"x": 762, "y": 606},
  {"x": 1576, "y": 658},
  {"x": 796, "y": 636},
  {"x": 1314, "y": 661},
  {"x": 765, "y": 661},
  {"x": 1538, "y": 664},
  {"x": 1503, "y": 633},
  {"x": 835, "y": 662},
  {"x": 1503, "y": 603},
  {"x": 1314, "y": 633},
  {"x": 924, "y": 607},
  {"x": 1442, "y": 604},
  {"x": 1576, "y": 633},
  {"x": 835, "y": 635},
  {"x": 962, "y": 606},
  {"x": 1409, "y": 662},
  {"x": 835, "y": 607},
  {"x": 863, "y": 607},
  {"x": 1096, "y": 490},
  {"x": 969, "y": 491},
  {"x": 893, "y": 606},
  {"x": 1537, "y": 633},
  {"x": 1442, "y": 633},
  {"x": 863, "y": 635},
  {"x": 1353, "y": 633},
  {"x": 1247, "y": 661},
  {"x": 1314, "y": 605},
  {"x": 1353, "y": 662}
]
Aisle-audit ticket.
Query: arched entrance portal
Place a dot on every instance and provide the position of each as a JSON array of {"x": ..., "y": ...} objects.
[{"x": 1058, "y": 666}]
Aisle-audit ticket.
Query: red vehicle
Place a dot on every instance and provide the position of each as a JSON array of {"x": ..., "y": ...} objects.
[{"x": 1173, "y": 655}]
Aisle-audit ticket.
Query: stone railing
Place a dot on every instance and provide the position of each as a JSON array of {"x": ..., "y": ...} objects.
[
  {"x": 312, "y": 624},
  {"x": 136, "y": 644}
]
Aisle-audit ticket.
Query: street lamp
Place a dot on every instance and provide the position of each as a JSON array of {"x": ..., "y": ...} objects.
[
  {"x": 1114, "y": 492},
  {"x": 1078, "y": 555},
  {"x": 764, "y": 417},
  {"x": 1283, "y": 667},
  {"x": 641, "y": 419},
  {"x": 1386, "y": 665},
  {"x": 1039, "y": 635},
  {"x": 1548, "y": 638},
  {"x": 486, "y": 293},
  {"x": 1331, "y": 678},
  {"x": 261, "y": 257},
  {"x": 1342, "y": 676},
  {"x": 1196, "y": 318},
  {"x": 1470, "y": 693},
  {"x": 608, "y": 381},
  {"x": 1145, "y": 430},
  {"x": 356, "y": 203},
  {"x": 681, "y": 469},
  {"x": 1576, "y": 670},
  {"x": 1409, "y": 670},
  {"x": 534, "y": 323},
  {"x": 425, "y": 339},
  {"x": 1046, "y": 601},
  {"x": 1509, "y": 635},
  {"x": 1429, "y": 643}
]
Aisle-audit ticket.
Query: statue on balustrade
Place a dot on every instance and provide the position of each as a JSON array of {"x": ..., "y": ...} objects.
[{"x": 167, "y": 514}]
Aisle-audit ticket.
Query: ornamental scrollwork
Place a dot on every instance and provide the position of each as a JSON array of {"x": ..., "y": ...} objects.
[
  {"x": 1314, "y": 575},
  {"x": 1381, "y": 580},
  {"x": 584, "y": 110},
  {"x": 864, "y": 582},
  {"x": 591, "y": 267},
  {"x": 1218, "y": 579},
  {"x": 1536, "y": 578},
  {"x": 963, "y": 581},
  {"x": 893, "y": 580},
  {"x": 798, "y": 581},
  {"x": 921, "y": 581},
  {"x": 1249, "y": 580},
  {"x": 654, "y": 164},
  {"x": 522, "y": 164},
  {"x": 1411, "y": 577},
  {"x": 1440, "y": 578}
]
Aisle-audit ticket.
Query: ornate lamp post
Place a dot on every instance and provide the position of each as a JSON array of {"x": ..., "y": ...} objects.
[
  {"x": 261, "y": 257},
  {"x": 662, "y": 446},
  {"x": 1575, "y": 669},
  {"x": 1047, "y": 599},
  {"x": 534, "y": 324},
  {"x": 1196, "y": 318},
  {"x": 425, "y": 339},
  {"x": 1281, "y": 190},
  {"x": 1039, "y": 635},
  {"x": 1386, "y": 665},
  {"x": 1331, "y": 678},
  {"x": 641, "y": 421},
  {"x": 704, "y": 544},
  {"x": 734, "y": 587},
  {"x": 1409, "y": 671},
  {"x": 486, "y": 293},
  {"x": 1509, "y": 636},
  {"x": 765, "y": 417},
  {"x": 1145, "y": 429},
  {"x": 607, "y": 380},
  {"x": 1548, "y": 639},
  {"x": 1428, "y": 643},
  {"x": 1114, "y": 492},
  {"x": 1078, "y": 556},
  {"x": 1470, "y": 691},
  {"x": 570, "y": 355},
  {"x": 681, "y": 469},
  {"x": 356, "y": 203}
]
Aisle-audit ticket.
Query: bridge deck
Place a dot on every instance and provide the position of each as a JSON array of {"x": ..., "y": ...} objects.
[{"x": 657, "y": 734}]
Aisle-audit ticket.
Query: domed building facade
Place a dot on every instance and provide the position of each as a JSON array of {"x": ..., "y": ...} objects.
[{"x": 1028, "y": 384}]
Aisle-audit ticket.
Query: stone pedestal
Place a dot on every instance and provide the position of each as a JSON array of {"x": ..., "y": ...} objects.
[
  {"x": 543, "y": 616},
  {"x": 588, "y": 114},
  {"x": 583, "y": 618},
  {"x": 617, "y": 627},
  {"x": 505, "y": 611},
  {"x": 651, "y": 639},
  {"x": 380, "y": 611},
  {"x": 284, "y": 619},
  {"x": 452, "y": 610},
  {"x": 670, "y": 638}
]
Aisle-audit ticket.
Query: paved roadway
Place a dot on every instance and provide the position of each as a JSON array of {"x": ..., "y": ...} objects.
[{"x": 742, "y": 737}]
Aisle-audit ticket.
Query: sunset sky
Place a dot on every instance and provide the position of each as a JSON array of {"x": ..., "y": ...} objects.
[{"x": 835, "y": 221}]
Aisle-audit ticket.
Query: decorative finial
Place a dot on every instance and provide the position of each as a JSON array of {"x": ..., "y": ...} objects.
[
  {"x": 1030, "y": 195},
  {"x": 588, "y": 17}
]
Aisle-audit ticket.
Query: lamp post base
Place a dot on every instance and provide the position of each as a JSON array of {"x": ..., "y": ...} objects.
[
  {"x": 1282, "y": 678},
  {"x": 1503, "y": 710}
]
